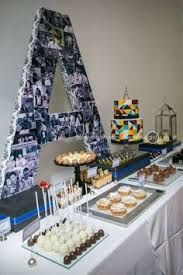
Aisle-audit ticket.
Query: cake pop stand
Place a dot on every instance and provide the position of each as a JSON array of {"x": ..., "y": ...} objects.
[{"x": 77, "y": 171}]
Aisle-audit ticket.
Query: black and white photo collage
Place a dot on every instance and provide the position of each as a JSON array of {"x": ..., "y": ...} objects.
[
  {"x": 65, "y": 125},
  {"x": 55, "y": 45},
  {"x": 21, "y": 168}
]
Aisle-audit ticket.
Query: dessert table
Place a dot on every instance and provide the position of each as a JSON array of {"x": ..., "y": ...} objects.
[{"x": 152, "y": 244}]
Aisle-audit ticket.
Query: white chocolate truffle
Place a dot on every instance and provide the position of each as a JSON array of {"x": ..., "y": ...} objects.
[
  {"x": 89, "y": 232},
  {"x": 83, "y": 235},
  {"x": 54, "y": 238},
  {"x": 40, "y": 240},
  {"x": 56, "y": 247},
  {"x": 76, "y": 240},
  {"x": 61, "y": 233},
  {"x": 47, "y": 245},
  {"x": 54, "y": 229},
  {"x": 83, "y": 226},
  {"x": 68, "y": 235},
  {"x": 62, "y": 239},
  {"x": 63, "y": 250},
  {"x": 48, "y": 233},
  {"x": 71, "y": 245},
  {"x": 68, "y": 228},
  {"x": 77, "y": 228}
]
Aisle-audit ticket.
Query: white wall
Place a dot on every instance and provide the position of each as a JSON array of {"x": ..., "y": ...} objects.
[{"x": 134, "y": 43}]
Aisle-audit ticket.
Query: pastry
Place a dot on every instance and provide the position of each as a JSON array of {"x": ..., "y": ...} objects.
[
  {"x": 118, "y": 209},
  {"x": 114, "y": 197},
  {"x": 155, "y": 168},
  {"x": 141, "y": 172},
  {"x": 165, "y": 173},
  {"x": 172, "y": 170},
  {"x": 129, "y": 201},
  {"x": 158, "y": 178},
  {"x": 148, "y": 171},
  {"x": 103, "y": 204},
  {"x": 125, "y": 190},
  {"x": 139, "y": 194}
]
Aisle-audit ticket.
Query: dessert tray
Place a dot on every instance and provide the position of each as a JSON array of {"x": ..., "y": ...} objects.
[
  {"x": 165, "y": 181},
  {"x": 60, "y": 253},
  {"x": 129, "y": 212}
]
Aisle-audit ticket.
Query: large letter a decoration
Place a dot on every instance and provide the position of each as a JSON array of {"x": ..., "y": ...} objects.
[{"x": 52, "y": 44}]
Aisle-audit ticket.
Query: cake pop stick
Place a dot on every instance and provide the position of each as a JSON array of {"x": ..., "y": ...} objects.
[
  {"x": 56, "y": 199},
  {"x": 72, "y": 196},
  {"x": 37, "y": 205},
  {"x": 87, "y": 206},
  {"x": 70, "y": 200},
  {"x": 53, "y": 201},
  {"x": 44, "y": 200},
  {"x": 63, "y": 198},
  {"x": 49, "y": 200},
  {"x": 46, "y": 209},
  {"x": 66, "y": 196},
  {"x": 78, "y": 197},
  {"x": 75, "y": 199}
]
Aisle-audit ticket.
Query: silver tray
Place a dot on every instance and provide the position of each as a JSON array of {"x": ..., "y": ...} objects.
[
  {"x": 165, "y": 183},
  {"x": 133, "y": 213}
]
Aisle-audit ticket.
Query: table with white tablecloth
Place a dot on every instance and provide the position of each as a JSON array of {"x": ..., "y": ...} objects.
[{"x": 152, "y": 244}]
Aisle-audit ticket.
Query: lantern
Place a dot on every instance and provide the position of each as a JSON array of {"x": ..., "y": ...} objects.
[{"x": 166, "y": 122}]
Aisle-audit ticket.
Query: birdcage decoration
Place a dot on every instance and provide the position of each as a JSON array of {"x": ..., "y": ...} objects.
[{"x": 166, "y": 122}]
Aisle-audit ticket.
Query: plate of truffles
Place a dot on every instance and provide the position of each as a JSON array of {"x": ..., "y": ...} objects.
[{"x": 66, "y": 243}]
